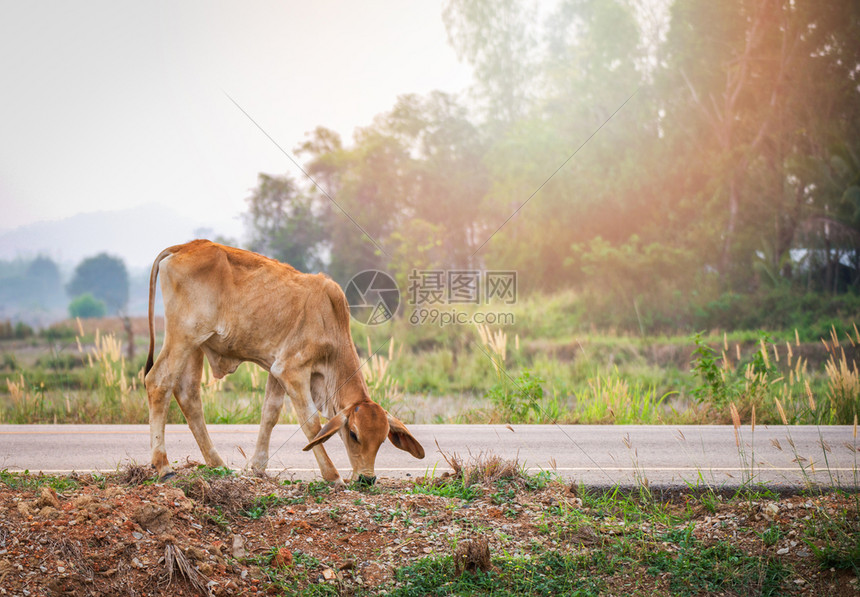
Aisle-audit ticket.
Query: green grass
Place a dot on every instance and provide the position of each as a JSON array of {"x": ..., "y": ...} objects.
[
  {"x": 549, "y": 573},
  {"x": 696, "y": 569},
  {"x": 553, "y": 371},
  {"x": 450, "y": 488},
  {"x": 834, "y": 537},
  {"x": 24, "y": 480},
  {"x": 298, "y": 579}
]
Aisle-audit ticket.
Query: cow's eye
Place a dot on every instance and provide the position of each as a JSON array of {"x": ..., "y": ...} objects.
[{"x": 353, "y": 436}]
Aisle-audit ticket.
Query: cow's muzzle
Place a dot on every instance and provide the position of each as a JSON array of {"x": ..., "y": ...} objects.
[{"x": 366, "y": 480}]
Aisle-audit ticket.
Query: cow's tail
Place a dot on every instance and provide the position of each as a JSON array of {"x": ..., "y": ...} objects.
[{"x": 153, "y": 276}]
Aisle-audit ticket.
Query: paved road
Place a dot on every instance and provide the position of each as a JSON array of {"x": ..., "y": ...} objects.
[{"x": 593, "y": 454}]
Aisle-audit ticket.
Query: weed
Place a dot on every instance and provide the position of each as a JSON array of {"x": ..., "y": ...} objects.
[
  {"x": 695, "y": 569},
  {"x": 24, "y": 480},
  {"x": 519, "y": 400},
  {"x": 834, "y": 538},
  {"x": 261, "y": 505},
  {"x": 771, "y": 535},
  {"x": 546, "y": 573}
]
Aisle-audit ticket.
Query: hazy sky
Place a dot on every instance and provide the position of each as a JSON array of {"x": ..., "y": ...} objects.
[{"x": 108, "y": 105}]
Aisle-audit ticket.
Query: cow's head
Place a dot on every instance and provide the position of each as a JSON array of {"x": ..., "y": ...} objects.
[{"x": 363, "y": 428}]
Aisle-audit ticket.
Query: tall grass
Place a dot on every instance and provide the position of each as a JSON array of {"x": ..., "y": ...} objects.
[{"x": 491, "y": 375}]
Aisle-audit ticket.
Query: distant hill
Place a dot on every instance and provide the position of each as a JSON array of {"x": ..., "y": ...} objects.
[{"x": 136, "y": 235}]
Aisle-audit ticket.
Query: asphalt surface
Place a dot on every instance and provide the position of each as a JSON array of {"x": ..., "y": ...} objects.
[{"x": 592, "y": 454}]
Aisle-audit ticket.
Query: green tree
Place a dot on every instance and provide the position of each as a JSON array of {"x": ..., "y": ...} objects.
[
  {"x": 43, "y": 279},
  {"x": 103, "y": 276},
  {"x": 86, "y": 306},
  {"x": 285, "y": 223}
]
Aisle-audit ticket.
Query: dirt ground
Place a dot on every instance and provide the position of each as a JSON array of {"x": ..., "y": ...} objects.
[{"x": 206, "y": 532}]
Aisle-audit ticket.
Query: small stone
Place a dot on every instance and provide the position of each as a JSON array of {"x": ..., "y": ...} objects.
[
  {"x": 136, "y": 563},
  {"x": 239, "y": 550},
  {"x": 137, "y": 535},
  {"x": 60, "y": 569},
  {"x": 782, "y": 552},
  {"x": 155, "y": 519},
  {"x": 329, "y": 574}
]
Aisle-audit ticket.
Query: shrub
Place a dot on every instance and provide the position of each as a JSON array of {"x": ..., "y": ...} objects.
[
  {"x": 19, "y": 331},
  {"x": 87, "y": 306}
]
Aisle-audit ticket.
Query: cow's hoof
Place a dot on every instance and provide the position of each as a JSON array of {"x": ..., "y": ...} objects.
[{"x": 166, "y": 476}]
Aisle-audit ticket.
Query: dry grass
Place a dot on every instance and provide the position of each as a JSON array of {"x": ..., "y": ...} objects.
[
  {"x": 472, "y": 556},
  {"x": 135, "y": 474},
  {"x": 384, "y": 388},
  {"x": 496, "y": 343},
  {"x": 228, "y": 493},
  {"x": 482, "y": 468},
  {"x": 175, "y": 561}
]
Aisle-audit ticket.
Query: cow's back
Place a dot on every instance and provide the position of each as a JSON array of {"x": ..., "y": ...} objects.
[{"x": 250, "y": 307}]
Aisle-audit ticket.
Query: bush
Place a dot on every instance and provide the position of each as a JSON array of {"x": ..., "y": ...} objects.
[
  {"x": 87, "y": 306},
  {"x": 811, "y": 314},
  {"x": 19, "y": 331}
]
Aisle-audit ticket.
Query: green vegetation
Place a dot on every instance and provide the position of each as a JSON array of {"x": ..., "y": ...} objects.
[
  {"x": 103, "y": 276},
  {"x": 548, "y": 573},
  {"x": 479, "y": 375},
  {"x": 86, "y": 306},
  {"x": 694, "y": 568},
  {"x": 671, "y": 188}
]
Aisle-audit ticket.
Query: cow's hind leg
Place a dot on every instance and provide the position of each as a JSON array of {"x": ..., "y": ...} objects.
[
  {"x": 159, "y": 388},
  {"x": 187, "y": 392},
  {"x": 272, "y": 406}
]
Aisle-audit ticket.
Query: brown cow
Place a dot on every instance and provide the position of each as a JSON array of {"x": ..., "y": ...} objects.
[{"x": 233, "y": 306}]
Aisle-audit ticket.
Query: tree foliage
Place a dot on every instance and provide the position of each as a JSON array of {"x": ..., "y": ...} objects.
[
  {"x": 285, "y": 223},
  {"x": 733, "y": 169},
  {"x": 87, "y": 306},
  {"x": 105, "y": 278},
  {"x": 34, "y": 284}
]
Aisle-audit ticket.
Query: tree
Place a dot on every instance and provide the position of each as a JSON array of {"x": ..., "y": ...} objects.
[
  {"x": 497, "y": 37},
  {"x": 86, "y": 306},
  {"x": 104, "y": 277},
  {"x": 285, "y": 223}
]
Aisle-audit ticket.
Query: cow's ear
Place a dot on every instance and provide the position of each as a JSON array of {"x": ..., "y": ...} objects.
[
  {"x": 400, "y": 437},
  {"x": 333, "y": 426}
]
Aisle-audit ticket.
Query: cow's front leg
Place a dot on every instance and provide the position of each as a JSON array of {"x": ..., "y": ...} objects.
[
  {"x": 272, "y": 405},
  {"x": 300, "y": 396}
]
